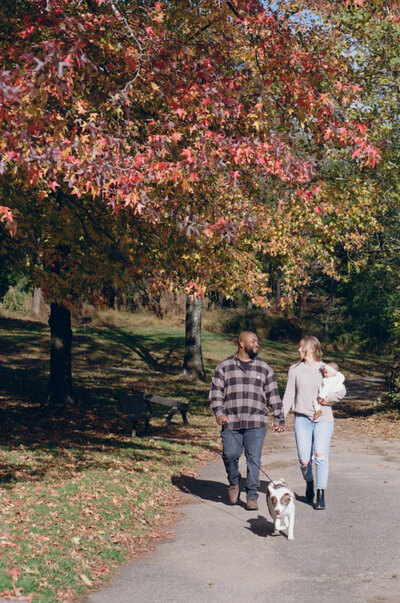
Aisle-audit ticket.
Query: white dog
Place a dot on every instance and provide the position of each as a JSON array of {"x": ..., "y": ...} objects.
[{"x": 280, "y": 501}]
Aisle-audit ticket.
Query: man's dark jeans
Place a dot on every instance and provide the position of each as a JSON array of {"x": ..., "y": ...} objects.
[{"x": 233, "y": 442}]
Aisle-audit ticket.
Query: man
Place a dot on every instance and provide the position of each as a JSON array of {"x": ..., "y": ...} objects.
[{"x": 241, "y": 388}]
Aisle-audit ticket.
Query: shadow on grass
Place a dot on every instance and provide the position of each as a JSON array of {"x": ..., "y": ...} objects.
[
  {"x": 93, "y": 423},
  {"x": 76, "y": 453},
  {"x": 160, "y": 352},
  {"x": 105, "y": 362}
]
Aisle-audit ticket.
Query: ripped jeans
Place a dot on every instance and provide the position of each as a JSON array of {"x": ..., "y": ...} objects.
[{"x": 313, "y": 440}]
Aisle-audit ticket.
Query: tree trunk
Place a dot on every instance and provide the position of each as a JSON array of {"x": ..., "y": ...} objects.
[
  {"x": 301, "y": 304},
  {"x": 392, "y": 397},
  {"x": 37, "y": 295},
  {"x": 329, "y": 311},
  {"x": 395, "y": 372},
  {"x": 278, "y": 294},
  {"x": 193, "y": 367},
  {"x": 60, "y": 382}
]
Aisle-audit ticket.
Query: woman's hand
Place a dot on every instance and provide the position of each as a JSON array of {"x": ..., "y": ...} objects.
[
  {"x": 326, "y": 401},
  {"x": 278, "y": 428}
]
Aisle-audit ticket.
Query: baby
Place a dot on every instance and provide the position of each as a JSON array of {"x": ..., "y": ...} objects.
[{"x": 332, "y": 382}]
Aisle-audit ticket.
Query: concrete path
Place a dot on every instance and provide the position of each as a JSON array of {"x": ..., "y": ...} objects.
[
  {"x": 366, "y": 388},
  {"x": 348, "y": 553}
]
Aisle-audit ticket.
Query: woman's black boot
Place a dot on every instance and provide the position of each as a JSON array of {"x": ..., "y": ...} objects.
[
  {"x": 320, "y": 503},
  {"x": 310, "y": 491}
]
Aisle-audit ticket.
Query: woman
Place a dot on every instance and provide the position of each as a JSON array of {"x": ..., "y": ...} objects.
[{"x": 313, "y": 437}]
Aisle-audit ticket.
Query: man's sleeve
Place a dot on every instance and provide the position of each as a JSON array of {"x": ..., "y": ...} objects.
[
  {"x": 216, "y": 395},
  {"x": 274, "y": 399}
]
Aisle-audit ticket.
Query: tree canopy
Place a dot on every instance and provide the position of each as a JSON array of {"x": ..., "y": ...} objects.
[{"x": 188, "y": 141}]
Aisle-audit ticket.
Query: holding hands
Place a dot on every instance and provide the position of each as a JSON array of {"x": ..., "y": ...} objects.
[{"x": 223, "y": 420}]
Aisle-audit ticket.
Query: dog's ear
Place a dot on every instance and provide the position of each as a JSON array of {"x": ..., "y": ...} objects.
[{"x": 286, "y": 498}]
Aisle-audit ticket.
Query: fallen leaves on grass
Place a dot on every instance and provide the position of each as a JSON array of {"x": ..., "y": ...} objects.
[
  {"x": 91, "y": 511},
  {"x": 17, "y": 595},
  {"x": 78, "y": 496}
]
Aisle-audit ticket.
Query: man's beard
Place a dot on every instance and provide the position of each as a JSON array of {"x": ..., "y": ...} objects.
[{"x": 251, "y": 353}]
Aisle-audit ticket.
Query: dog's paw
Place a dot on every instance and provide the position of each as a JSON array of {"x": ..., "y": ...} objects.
[
  {"x": 290, "y": 538},
  {"x": 276, "y": 533}
]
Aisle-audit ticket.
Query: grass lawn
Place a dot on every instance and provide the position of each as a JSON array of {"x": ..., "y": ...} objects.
[{"x": 78, "y": 495}]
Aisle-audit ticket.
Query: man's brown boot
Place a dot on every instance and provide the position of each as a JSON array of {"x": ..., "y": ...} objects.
[
  {"x": 252, "y": 505},
  {"x": 233, "y": 492}
]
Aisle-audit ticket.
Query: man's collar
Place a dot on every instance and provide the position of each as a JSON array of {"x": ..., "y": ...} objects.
[{"x": 236, "y": 357}]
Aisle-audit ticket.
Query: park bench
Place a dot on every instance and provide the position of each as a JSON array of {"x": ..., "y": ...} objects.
[{"x": 139, "y": 407}]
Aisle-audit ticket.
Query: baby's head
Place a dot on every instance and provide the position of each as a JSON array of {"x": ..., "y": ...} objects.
[{"x": 330, "y": 369}]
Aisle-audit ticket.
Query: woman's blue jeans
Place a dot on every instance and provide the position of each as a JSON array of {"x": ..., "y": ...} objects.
[
  {"x": 313, "y": 440},
  {"x": 233, "y": 442}
]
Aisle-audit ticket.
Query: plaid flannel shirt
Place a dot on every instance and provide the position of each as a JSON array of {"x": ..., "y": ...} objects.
[{"x": 243, "y": 396}]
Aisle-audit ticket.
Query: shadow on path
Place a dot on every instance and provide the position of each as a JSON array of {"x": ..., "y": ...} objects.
[
  {"x": 360, "y": 397},
  {"x": 212, "y": 490},
  {"x": 204, "y": 489},
  {"x": 367, "y": 388},
  {"x": 260, "y": 526}
]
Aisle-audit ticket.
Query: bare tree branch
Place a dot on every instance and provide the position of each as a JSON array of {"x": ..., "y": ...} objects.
[{"x": 120, "y": 14}]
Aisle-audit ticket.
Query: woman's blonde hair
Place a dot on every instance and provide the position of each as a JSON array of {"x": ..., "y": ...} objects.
[{"x": 312, "y": 343}]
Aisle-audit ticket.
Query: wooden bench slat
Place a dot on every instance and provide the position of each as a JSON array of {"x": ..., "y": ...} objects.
[
  {"x": 166, "y": 401},
  {"x": 140, "y": 403}
]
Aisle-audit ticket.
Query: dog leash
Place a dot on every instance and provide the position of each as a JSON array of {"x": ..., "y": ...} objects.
[{"x": 258, "y": 466}]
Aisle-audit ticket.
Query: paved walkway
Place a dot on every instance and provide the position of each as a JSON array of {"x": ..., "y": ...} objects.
[
  {"x": 366, "y": 388},
  {"x": 348, "y": 553}
]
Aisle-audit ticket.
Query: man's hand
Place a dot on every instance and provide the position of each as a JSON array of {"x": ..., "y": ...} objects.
[
  {"x": 222, "y": 420},
  {"x": 278, "y": 428}
]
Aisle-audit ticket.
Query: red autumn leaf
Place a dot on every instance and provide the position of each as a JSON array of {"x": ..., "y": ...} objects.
[{"x": 14, "y": 573}]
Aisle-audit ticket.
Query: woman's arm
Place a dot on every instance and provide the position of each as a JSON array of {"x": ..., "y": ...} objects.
[
  {"x": 274, "y": 400},
  {"x": 290, "y": 391},
  {"x": 334, "y": 397}
]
